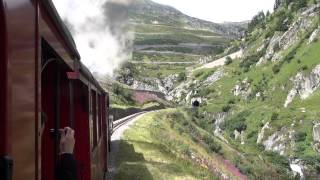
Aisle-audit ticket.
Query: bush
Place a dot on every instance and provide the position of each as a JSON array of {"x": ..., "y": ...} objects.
[
  {"x": 240, "y": 126},
  {"x": 213, "y": 146},
  {"x": 276, "y": 158},
  {"x": 276, "y": 68},
  {"x": 274, "y": 116},
  {"x": 237, "y": 122},
  {"x": 182, "y": 76},
  {"x": 226, "y": 108},
  {"x": 228, "y": 60},
  {"x": 248, "y": 61},
  {"x": 231, "y": 101},
  {"x": 123, "y": 92},
  {"x": 304, "y": 68},
  {"x": 313, "y": 161},
  {"x": 300, "y": 136}
]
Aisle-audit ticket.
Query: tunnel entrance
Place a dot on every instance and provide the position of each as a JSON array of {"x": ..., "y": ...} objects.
[{"x": 196, "y": 103}]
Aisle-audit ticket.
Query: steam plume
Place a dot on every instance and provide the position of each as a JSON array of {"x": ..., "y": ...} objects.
[{"x": 100, "y": 30}]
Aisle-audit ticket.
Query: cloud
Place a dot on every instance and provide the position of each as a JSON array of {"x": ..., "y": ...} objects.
[{"x": 99, "y": 28}]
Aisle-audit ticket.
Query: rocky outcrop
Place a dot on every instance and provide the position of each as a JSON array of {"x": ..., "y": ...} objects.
[
  {"x": 242, "y": 88},
  {"x": 313, "y": 36},
  {"x": 297, "y": 168},
  {"x": 262, "y": 132},
  {"x": 154, "y": 84},
  {"x": 239, "y": 136},
  {"x": 216, "y": 76},
  {"x": 303, "y": 23},
  {"x": 283, "y": 41},
  {"x": 304, "y": 85},
  {"x": 316, "y": 136},
  {"x": 181, "y": 91},
  {"x": 273, "y": 46},
  {"x": 170, "y": 81},
  {"x": 143, "y": 86},
  {"x": 316, "y": 132},
  {"x": 219, "y": 119},
  {"x": 278, "y": 141}
]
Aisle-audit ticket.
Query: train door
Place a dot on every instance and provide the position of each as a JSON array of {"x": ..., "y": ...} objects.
[{"x": 54, "y": 108}]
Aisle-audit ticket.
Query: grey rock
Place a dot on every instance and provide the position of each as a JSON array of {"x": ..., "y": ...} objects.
[
  {"x": 216, "y": 76},
  {"x": 314, "y": 36},
  {"x": 242, "y": 88},
  {"x": 304, "y": 85}
]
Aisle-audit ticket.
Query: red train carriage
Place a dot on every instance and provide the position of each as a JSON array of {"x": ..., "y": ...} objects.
[{"x": 41, "y": 75}]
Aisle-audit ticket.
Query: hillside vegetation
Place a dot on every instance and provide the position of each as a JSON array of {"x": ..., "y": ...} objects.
[
  {"x": 265, "y": 104},
  {"x": 260, "y": 111}
]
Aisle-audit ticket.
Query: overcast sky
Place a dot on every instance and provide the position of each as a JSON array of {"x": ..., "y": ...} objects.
[{"x": 220, "y": 10}]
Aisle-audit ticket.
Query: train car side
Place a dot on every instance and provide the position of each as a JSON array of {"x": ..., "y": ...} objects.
[{"x": 42, "y": 78}]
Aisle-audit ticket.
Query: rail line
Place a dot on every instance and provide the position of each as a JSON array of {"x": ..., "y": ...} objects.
[{"x": 117, "y": 124}]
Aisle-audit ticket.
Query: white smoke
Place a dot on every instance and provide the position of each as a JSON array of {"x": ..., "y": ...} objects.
[{"x": 100, "y": 30}]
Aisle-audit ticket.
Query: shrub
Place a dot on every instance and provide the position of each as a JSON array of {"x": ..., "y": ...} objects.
[
  {"x": 304, "y": 68},
  {"x": 231, "y": 101},
  {"x": 276, "y": 68},
  {"x": 213, "y": 146},
  {"x": 228, "y": 60},
  {"x": 248, "y": 61},
  {"x": 274, "y": 116},
  {"x": 182, "y": 76},
  {"x": 299, "y": 61},
  {"x": 237, "y": 122},
  {"x": 276, "y": 158},
  {"x": 300, "y": 136},
  {"x": 240, "y": 126},
  {"x": 226, "y": 108},
  {"x": 314, "y": 161}
]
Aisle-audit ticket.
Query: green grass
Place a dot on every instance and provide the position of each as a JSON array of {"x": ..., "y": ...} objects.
[
  {"x": 160, "y": 70},
  {"x": 203, "y": 74},
  {"x": 151, "y": 149},
  {"x": 163, "y": 58},
  {"x": 162, "y": 34},
  {"x": 147, "y": 28}
]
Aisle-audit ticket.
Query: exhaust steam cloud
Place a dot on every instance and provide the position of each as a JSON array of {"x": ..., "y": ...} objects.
[{"x": 100, "y": 30}]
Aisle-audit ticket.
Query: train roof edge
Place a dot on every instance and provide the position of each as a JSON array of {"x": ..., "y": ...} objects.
[{"x": 64, "y": 31}]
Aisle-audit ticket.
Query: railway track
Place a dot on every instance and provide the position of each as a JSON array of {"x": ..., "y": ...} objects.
[
  {"x": 118, "y": 129},
  {"x": 117, "y": 124}
]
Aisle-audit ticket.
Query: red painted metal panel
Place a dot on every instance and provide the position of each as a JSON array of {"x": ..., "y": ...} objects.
[
  {"x": 94, "y": 119},
  {"x": 105, "y": 128},
  {"x": 48, "y": 107},
  {"x": 21, "y": 31},
  {"x": 73, "y": 75},
  {"x": 3, "y": 85},
  {"x": 64, "y": 98},
  {"x": 82, "y": 147},
  {"x": 99, "y": 117}
]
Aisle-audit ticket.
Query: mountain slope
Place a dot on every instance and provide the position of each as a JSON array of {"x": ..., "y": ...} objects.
[
  {"x": 149, "y": 12},
  {"x": 264, "y": 104}
]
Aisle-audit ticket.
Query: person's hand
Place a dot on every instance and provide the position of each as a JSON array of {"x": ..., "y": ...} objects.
[{"x": 67, "y": 141}]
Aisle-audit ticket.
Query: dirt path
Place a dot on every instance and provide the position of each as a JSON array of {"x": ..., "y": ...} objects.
[
  {"x": 115, "y": 142},
  {"x": 221, "y": 61}
]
